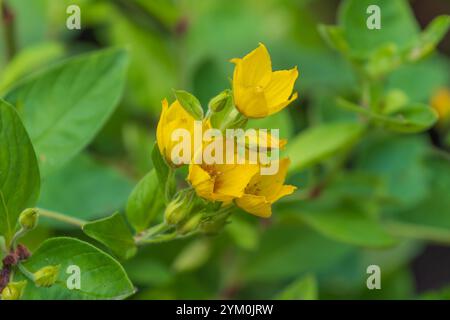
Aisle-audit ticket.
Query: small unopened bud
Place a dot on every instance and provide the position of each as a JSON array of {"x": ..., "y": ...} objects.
[
  {"x": 10, "y": 260},
  {"x": 214, "y": 224},
  {"x": 28, "y": 219},
  {"x": 14, "y": 290},
  {"x": 46, "y": 276},
  {"x": 179, "y": 208},
  {"x": 22, "y": 252},
  {"x": 219, "y": 102},
  {"x": 191, "y": 224}
]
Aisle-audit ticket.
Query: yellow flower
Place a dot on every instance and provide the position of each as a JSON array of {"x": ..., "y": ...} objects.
[
  {"x": 259, "y": 92},
  {"x": 172, "y": 118},
  {"x": 263, "y": 190},
  {"x": 221, "y": 182},
  {"x": 441, "y": 103}
]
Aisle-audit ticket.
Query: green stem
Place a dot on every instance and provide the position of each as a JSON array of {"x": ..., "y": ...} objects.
[
  {"x": 413, "y": 231},
  {"x": 61, "y": 217},
  {"x": 26, "y": 272},
  {"x": 151, "y": 232}
]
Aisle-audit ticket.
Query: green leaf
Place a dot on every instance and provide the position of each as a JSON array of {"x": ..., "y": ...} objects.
[
  {"x": 317, "y": 143},
  {"x": 430, "y": 218},
  {"x": 28, "y": 60},
  {"x": 145, "y": 202},
  {"x": 306, "y": 251},
  {"x": 19, "y": 172},
  {"x": 114, "y": 233},
  {"x": 429, "y": 39},
  {"x": 101, "y": 276},
  {"x": 305, "y": 288},
  {"x": 87, "y": 178},
  {"x": 334, "y": 37},
  {"x": 165, "y": 173},
  {"x": 65, "y": 106},
  {"x": 349, "y": 226},
  {"x": 243, "y": 233},
  {"x": 190, "y": 103},
  {"x": 408, "y": 119},
  {"x": 398, "y": 25}
]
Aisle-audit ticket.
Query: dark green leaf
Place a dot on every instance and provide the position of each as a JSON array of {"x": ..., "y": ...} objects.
[
  {"x": 190, "y": 103},
  {"x": 145, "y": 202},
  {"x": 65, "y": 106},
  {"x": 165, "y": 173},
  {"x": 19, "y": 172},
  {"x": 102, "y": 277},
  {"x": 114, "y": 233}
]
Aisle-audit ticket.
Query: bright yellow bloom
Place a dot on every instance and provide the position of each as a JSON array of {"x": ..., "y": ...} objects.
[
  {"x": 221, "y": 182},
  {"x": 263, "y": 190},
  {"x": 259, "y": 92},
  {"x": 441, "y": 103},
  {"x": 172, "y": 118}
]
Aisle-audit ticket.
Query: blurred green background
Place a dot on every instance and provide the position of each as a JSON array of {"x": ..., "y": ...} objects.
[{"x": 317, "y": 244}]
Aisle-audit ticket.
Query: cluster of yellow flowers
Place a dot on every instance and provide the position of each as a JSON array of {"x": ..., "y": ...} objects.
[{"x": 257, "y": 92}]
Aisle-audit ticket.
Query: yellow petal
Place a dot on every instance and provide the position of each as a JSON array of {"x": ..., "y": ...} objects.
[
  {"x": 280, "y": 86},
  {"x": 284, "y": 191},
  {"x": 202, "y": 182},
  {"x": 233, "y": 179},
  {"x": 283, "y": 105},
  {"x": 255, "y": 69},
  {"x": 250, "y": 101},
  {"x": 160, "y": 126},
  {"x": 257, "y": 205}
]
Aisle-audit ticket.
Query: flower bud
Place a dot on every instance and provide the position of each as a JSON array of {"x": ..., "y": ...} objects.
[
  {"x": 22, "y": 252},
  {"x": 214, "y": 224},
  {"x": 219, "y": 102},
  {"x": 46, "y": 276},
  {"x": 179, "y": 208},
  {"x": 28, "y": 219},
  {"x": 14, "y": 290},
  {"x": 191, "y": 224}
]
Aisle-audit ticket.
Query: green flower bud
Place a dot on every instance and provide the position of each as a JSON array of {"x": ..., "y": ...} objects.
[
  {"x": 14, "y": 290},
  {"x": 28, "y": 219},
  {"x": 179, "y": 208},
  {"x": 46, "y": 276},
  {"x": 219, "y": 102},
  {"x": 214, "y": 223},
  {"x": 191, "y": 224}
]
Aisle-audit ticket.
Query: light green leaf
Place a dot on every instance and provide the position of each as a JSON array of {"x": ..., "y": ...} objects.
[
  {"x": 65, "y": 106},
  {"x": 193, "y": 256},
  {"x": 429, "y": 39},
  {"x": 19, "y": 172},
  {"x": 190, "y": 103},
  {"x": 398, "y": 25},
  {"x": 114, "y": 233},
  {"x": 408, "y": 119},
  {"x": 28, "y": 60},
  {"x": 101, "y": 276},
  {"x": 145, "y": 202},
  {"x": 315, "y": 144},
  {"x": 334, "y": 37},
  {"x": 305, "y": 288},
  {"x": 243, "y": 233}
]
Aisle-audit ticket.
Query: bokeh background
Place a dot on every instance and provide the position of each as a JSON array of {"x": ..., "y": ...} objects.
[{"x": 187, "y": 44}]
